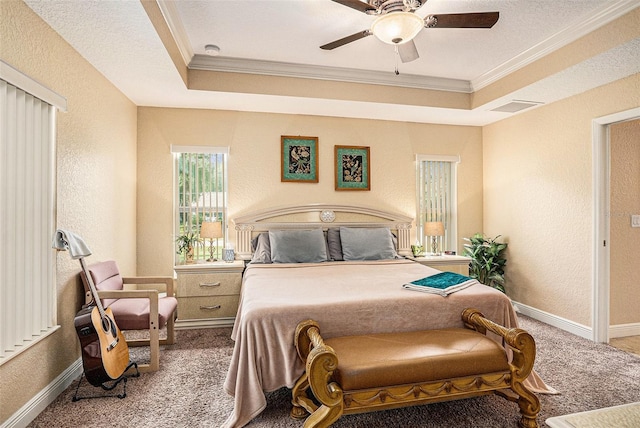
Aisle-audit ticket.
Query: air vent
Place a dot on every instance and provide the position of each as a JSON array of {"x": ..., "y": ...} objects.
[{"x": 516, "y": 106}]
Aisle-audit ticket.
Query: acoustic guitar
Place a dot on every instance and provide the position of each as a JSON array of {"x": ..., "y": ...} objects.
[{"x": 105, "y": 353}]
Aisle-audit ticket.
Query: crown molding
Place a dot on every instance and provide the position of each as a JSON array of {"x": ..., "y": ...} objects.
[
  {"x": 605, "y": 14},
  {"x": 172, "y": 17},
  {"x": 274, "y": 68}
]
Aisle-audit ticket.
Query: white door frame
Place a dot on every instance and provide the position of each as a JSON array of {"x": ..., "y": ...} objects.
[{"x": 601, "y": 207}]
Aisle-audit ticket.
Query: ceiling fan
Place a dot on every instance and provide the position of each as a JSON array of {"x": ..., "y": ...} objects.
[{"x": 397, "y": 24}]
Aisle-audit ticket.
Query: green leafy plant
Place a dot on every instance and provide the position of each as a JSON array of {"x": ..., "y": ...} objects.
[
  {"x": 487, "y": 262},
  {"x": 187, "y": 241}
]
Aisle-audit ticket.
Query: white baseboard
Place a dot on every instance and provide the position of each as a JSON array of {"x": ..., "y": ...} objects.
[
  {"x": 615, "y": 331},
  {"x": 554, "y": 320},
  {"x": 204, "y": 323},
  {"x": 624, "y": 330},
  {"x": 40, "y": 401}
]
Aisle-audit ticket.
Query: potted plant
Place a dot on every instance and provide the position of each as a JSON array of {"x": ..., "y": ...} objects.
[
  {"x": 487, "y": 262},
  {"x": 186, "y": 242}
]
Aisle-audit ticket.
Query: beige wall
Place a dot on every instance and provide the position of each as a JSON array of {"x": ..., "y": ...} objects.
[
  {"x": 96, "y": 158},
  {"x": 538, "y": 196},
  {"x": 254, "y": 166},
  {"x": 625, "y": 240}
]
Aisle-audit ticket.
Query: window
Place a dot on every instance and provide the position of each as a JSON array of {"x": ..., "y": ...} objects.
[
  {"x": 27, "y": 211},
  {"x": 200, "y": 196},
  {"x": 436, "y": 176}
]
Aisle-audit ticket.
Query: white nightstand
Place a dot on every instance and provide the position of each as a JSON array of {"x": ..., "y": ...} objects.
[
  {"x": 208, "y": 294},
  {"x": 457, "y": 264}
]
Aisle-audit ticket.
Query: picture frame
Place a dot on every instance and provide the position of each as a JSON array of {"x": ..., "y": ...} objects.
[
  {"x": 299, "y": 159},
  {"x": 352, "y": 168}
]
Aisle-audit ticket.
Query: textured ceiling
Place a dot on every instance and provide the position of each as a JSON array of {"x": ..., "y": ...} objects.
[
  {"x": 292, "y": 31},
  {"x": 118, "y": 38}
]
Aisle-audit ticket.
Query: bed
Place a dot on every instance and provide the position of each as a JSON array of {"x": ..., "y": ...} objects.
[{"x": 344, "y": 294}]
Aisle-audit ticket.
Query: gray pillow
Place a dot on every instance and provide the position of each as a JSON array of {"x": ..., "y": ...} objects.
[
  {"x": 298, "y": 246},
  {"x": 362, "y": 243},
  {"x": 334, "y": 244},
  {"x": 261, "y": 249}
]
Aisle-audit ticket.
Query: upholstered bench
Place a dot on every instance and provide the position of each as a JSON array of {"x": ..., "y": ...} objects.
[{"x": 355, "y": 374}]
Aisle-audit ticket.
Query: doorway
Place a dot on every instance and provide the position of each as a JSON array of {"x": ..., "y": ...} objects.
[{"x": 602, "y": 232}]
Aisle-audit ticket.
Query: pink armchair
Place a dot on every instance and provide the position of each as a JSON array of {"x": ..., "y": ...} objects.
[{"x": 150, "y": 305}]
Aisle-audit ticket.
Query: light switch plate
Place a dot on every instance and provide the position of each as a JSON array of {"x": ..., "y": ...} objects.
[{"x": 635, "y": 220}]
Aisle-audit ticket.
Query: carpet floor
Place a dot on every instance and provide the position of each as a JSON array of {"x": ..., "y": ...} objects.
[{"x": 187, "y": 390}]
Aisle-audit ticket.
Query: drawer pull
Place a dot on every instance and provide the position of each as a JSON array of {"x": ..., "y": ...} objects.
[
  {"x": 210, "y": 308},
  {"x": 210, "y": 284}
]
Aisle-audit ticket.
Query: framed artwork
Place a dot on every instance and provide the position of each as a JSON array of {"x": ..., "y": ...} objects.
[
  {"x": 352, "y": 168},
  {"x": 299, "y": 159}
]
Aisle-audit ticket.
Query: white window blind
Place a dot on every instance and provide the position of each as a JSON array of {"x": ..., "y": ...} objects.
[
  {"x": 200, "y": 194},
  {"x": 27, "y": 214},
  {"x": 436, "y": 176}
]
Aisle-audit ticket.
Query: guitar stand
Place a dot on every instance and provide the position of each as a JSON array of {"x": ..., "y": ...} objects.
[{"x": 105, "y": 386}]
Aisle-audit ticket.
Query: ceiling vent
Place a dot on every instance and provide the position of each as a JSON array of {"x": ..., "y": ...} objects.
[{"x": 516, "y": 106}]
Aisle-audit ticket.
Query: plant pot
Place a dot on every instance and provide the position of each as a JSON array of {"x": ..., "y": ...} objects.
[{"x": 189, "y": 256}]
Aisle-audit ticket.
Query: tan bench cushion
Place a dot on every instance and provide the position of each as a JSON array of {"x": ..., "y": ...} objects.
[{"x": 380, "y": 360}]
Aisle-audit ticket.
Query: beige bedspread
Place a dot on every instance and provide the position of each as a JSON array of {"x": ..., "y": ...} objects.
[{"x": 346, "y": 298}]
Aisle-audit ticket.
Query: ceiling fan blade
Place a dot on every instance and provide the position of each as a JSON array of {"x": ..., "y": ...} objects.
[
  {"x": 462, "y": 20},
  {"x": 343, "y": 41},
  {"x": 408, "y": 51},
  {"x": 357, "y": 5}
]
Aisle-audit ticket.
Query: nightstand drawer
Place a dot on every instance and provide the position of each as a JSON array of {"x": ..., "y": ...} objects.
[
  {"x": 208, "y": 307},
  {"x": 208, "y": 284}
]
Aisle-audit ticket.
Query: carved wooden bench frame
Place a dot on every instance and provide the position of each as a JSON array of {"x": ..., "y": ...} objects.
[{"x": 321, "y": 361}]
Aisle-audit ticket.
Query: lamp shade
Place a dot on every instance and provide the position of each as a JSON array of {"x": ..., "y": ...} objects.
[
  {"x": 396, "y": 28},
  {"x": 211, "y": 230},
  {"x": 434, "y": 228}
]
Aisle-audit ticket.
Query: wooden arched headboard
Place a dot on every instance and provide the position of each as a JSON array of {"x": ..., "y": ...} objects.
[{"x": 319, "y": 215}]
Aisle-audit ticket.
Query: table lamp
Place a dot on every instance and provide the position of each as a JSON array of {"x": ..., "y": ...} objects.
[
  {"x": 434, "y": 229},
  {"x": 211, "y": 230}
]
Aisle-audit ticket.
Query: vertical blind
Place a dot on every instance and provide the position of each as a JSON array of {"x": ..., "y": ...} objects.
[
  {"x": 437, "y": 197},
  {"x": 201, "y": 192},
  {"x": 27, "y": 215}
]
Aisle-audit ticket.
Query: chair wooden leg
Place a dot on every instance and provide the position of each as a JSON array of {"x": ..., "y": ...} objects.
[
  {"x": 154, "y": 352},
  {"x": 154, "y": 339},
  {"x": 171, "y": 339},
  {"x": 154, "y": 336},
  {"x": 154, "y": 343}
]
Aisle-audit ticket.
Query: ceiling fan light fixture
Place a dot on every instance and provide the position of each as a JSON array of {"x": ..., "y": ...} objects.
[{"x": 396, "y": 28}]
